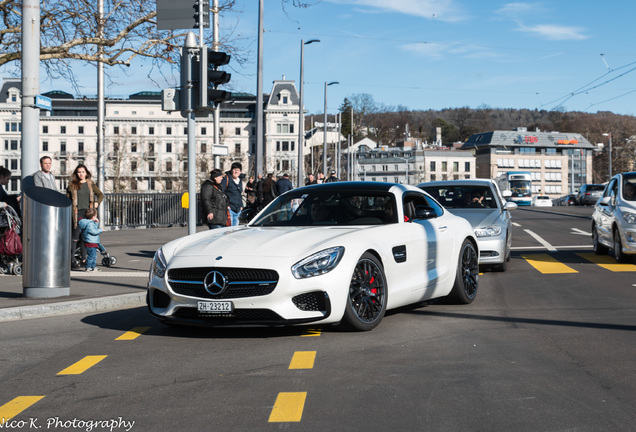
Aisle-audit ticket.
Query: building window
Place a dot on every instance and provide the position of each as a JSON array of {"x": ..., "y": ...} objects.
[
  {"x": 151, "y": 149},
  {"x": 80, "y": 130},
  {"x": 204, "y": 148},
  {"x": 133, "y": 147},
  {"x": 204, "y": 166},
  {"x": 444, "y": 167},
  {"x": 63, "y": 167},
  {"x": 455, "y": 166},
  {"x": 433, "y": 166},
  {"x": 151, "y": 166},
  {"x": 133, "y": 166},
  {"x": 116, "y": 130},
  {"x": 133, "y": 184},
  {"x": 237, "y": 147},
  {"x": 168, "y": 184},
  {"x": 45, "y": 129},
  {"x": 151, "y": 130},
  {"x": 80, "y": 148},
  {"x": 169, "y": 166},
  {"x": 204, "y": 131},
  {"x": 62, "y": 129},
  {"x": 169, "y": 130},
  {"x": 466, "y": 166},
  {"x": 133, "y": 130},
  {"x": 45, "y": 146},
  {"x": 285, "y": 145},
  {"x": 168, "y": 147},
  {"x": 221, "y": 131},
  {"x": 237, "y": 131}
]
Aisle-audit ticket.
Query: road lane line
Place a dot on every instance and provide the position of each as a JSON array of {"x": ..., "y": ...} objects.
[
  {"x": 607, "y": 262},
  {"x": 83, "y": 365},
  {"x": 288, "y": 407},
  {"x": 546, "y": 264},
  {"x": 16, "y": 406},
  {"x": 133, "y": 333},
  {"x": 311, "y": 332},
  {"x": 303, "y": 360},
  {"x": 547, "y": 245}
]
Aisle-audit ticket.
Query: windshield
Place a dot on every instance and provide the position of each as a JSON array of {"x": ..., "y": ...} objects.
[
  {"x": 460, "y": 196},
  {"x": 629, "y": 188},
  {"x": 324, "y": 208},
  {"x": 520, "y": 188}
]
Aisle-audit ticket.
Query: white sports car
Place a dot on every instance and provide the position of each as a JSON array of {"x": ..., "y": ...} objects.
[{"x": 341, "y": 252}]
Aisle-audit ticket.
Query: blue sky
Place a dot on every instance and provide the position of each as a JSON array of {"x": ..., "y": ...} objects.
[{"x": 434, "y": 54}]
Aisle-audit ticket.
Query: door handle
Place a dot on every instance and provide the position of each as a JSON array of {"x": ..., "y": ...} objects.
[{"x": 443, "y": 228}]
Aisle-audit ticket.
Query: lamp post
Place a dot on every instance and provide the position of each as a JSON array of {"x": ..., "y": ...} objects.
[
  {"x": 609, "y": 135},
  {"x": 324, "y": 143},
  {"x": 407, "y": 167},
  {"x": 301, "y": 114}
]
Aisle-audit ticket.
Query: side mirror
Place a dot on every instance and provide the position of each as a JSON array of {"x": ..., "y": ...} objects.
[
  {"x": 509, "y": 205},
  {"x": 605, "y": 200},
  {"x": 424, "y": 212}
]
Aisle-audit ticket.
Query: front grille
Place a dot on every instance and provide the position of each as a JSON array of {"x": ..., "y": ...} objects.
[
  {"x": 240, "y": 282},
  {"x": 313, "y": 301},
  {"x": 238, "y": 315}
]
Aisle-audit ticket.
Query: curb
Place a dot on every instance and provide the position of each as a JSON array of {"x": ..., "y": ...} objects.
[{"x": 101, "y": 304}]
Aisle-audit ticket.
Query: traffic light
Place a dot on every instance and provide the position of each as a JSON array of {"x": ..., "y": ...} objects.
[
  {"x": 210, "y": 77},
  {"x": 201, "y": 13}
]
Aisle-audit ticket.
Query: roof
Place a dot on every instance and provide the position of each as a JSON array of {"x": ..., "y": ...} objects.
[{"x": 524, "y": 138}]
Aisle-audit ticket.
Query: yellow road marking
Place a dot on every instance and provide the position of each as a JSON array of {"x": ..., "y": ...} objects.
[
  {"x": 83, "y": 365},
  {"x": 607, "y": 262},
  {"x": 133, "y": 334},
  {"x": 303, "y": 360},
  {"x": 16, "y": 406},
  {"x": 546, "y": 264},
  {"x": 311, "y": 332},
  {"x": 288, "y": 407}
]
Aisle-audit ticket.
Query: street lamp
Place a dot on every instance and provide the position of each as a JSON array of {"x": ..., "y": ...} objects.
[
  {"x": 324, "y": 143},
  {"x": 609, "y": 135},
  {"x": 301, "y": 114},
  {"x": 407, "y": 166}
]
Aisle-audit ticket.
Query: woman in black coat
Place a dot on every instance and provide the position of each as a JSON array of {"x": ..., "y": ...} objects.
[{"x": 213, "y": 201}]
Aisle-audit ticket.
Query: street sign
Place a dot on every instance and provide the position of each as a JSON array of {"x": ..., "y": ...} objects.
[
  {"x": 43, "y": 102},
  {"x": 178, "y": 15}
]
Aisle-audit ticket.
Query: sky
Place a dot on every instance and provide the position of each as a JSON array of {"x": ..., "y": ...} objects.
[{"x": 571, "y": 55}]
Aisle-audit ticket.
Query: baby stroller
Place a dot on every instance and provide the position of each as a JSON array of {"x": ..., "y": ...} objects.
[
  {"x": 10, "y": 242},
  {"x": 107, "y": 259}
]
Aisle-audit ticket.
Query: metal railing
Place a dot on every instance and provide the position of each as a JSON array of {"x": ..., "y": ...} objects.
[{"x": 147, "y": 210}]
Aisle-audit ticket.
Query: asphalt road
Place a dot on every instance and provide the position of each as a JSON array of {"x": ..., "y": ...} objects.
[{"x": 546, "y": 346}]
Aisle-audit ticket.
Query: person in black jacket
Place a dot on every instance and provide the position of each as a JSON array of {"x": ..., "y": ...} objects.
[
  {"x": 284, "y": 184},
  {"x": 232, "y": 185},
  {"x": 214, "y": 203}
]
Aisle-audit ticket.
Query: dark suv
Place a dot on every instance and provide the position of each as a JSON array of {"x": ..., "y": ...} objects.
[{"x": 589, "y": 194}]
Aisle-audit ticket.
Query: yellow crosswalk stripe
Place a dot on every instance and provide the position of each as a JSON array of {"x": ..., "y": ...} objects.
[
  {"x": 288, "y": 407},
  {"x": 83, "y": 365},
  {"x": 607, "y": 262},
  {"x": 133, "y": 334},
  {"x": 16, "y": 406},
  {"x": 303, "y": 360},
  {"x": 547, "y": 264}
]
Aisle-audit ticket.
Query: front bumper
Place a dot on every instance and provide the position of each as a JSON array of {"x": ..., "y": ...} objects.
[{"x": 492, "y": 250}]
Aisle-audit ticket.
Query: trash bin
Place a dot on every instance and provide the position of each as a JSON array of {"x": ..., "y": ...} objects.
[{"x": 46, "y": 241}]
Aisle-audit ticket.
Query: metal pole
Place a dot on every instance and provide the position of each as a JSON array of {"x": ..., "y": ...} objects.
[
  {"x": 259, "y": 95},
  {"x": 301, "y": 117},
  {"x": 217, "y": 107},
  {"x": 192, "y": 125},
  {"x": 610, "y": 156},
  {"x": 338, "y": 145},
  {"x": 100, "y": 110},
  {"x": 324, "y": 137},
  {"x": 30, "y": 87}
]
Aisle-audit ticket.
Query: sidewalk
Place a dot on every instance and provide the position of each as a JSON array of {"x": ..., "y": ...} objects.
[{"x": 118, "y": 287}]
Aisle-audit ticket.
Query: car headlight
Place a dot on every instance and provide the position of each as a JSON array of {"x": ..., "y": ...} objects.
[
  {"x": 319, "y": 263},
  {"x": 629, "y": 217},
  {"x": 489, "y": 231},
  {"x": 159, "y": 264}
]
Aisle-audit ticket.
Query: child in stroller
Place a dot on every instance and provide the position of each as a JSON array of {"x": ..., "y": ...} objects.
[{"x": 10, "y": 242}]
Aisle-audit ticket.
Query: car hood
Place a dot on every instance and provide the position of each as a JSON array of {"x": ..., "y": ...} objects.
[
  {"x": 478, "y": 217},
  {"x": 260, "y": 241}
]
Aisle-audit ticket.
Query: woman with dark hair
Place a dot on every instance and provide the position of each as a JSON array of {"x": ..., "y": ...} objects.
[
  {"x": 84, "y": 194},
  {"x": 213, "y": 201}
]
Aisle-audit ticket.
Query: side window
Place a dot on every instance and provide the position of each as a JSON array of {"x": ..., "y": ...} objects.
[
  {"x": 612, "y": 190},
  {"x": 410, "y": 202}
]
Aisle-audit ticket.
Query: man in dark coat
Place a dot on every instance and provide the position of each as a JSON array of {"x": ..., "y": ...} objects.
[
  {"x": 232, "y": 185},
  {"x": 332, "y": 177},
  {"x": 284, "y": 184}
]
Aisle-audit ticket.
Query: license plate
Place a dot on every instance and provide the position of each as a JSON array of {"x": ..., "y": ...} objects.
[{"x": 215, "y": 307}]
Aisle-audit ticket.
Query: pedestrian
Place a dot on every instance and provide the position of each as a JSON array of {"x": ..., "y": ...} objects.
[
  {"x": 269, "y": 189},
  {"x": 90, "y": 229},
  {"x": 45, "y": 178},
  {"x": 214, "y": 202},
  {"x": 311, "y": 179},
  {"x": 232, "y": 186},
  {"x": 250, "y": 191},
  {"x": 11, "y": 200},
  {"x": 284, "y": 184},
  {"x": 332, "y": 177},
  {"x": 321, "y": 178},
  {"x": 84, "y": 195},
  {"x": 259, "y": 191}
]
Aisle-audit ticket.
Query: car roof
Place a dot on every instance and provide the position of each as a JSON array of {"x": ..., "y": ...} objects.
[
  {"x": 465, "y": 182},
  {"x": 362, "y": 186}
]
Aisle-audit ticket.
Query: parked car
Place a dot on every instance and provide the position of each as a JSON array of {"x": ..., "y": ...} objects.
[
  {"x": 614, "y": 218},
  {"x": 541, "y": 201},
  {"x": 567, "y": 200},
  {"x": 341, "y": 252},
  {"x": 589, "y": 194},
  {"x": 480, "y": 202}
]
